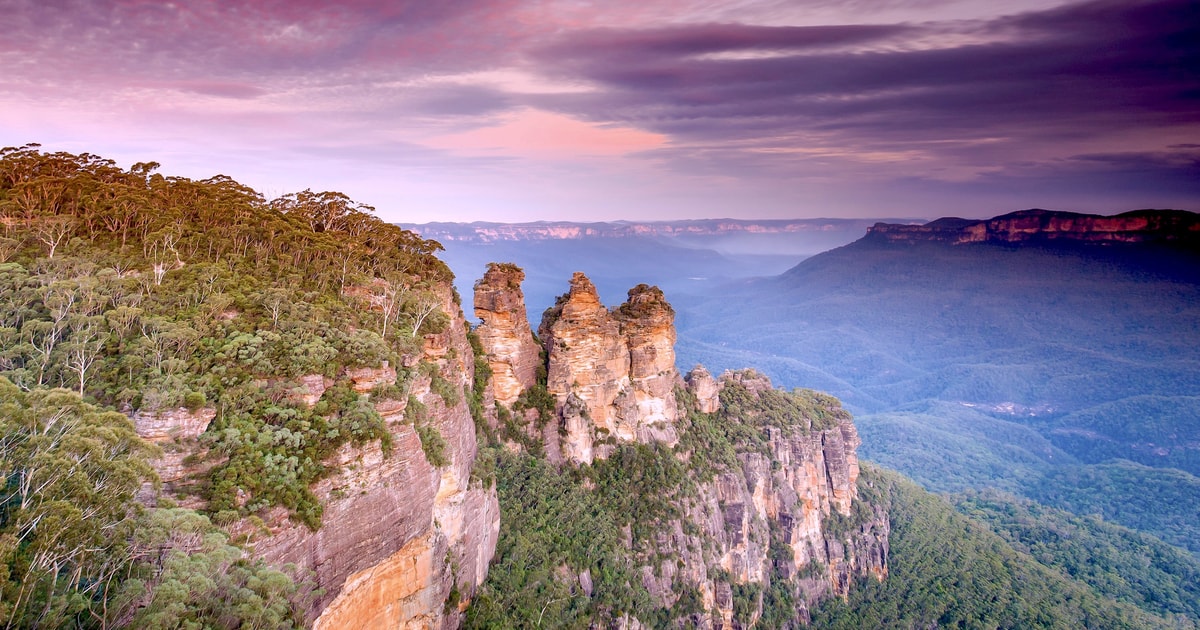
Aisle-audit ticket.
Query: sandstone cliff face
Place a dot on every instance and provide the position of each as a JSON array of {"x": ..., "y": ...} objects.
[
  {"x": 398, "y": 534},
  {"x": 612, "y": 373},
  {"x": 805, "y": 480},
  {"x": 175, "y": 431},
  {"x": 505, "y": 334},
  {"x": 1042, "y": 225},
  {"x": 648, "y": 326},
  {"x": 587, "y": 370}
]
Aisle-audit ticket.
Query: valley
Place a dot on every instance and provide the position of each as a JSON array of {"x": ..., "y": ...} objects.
[{"x": 222, "y": 411}]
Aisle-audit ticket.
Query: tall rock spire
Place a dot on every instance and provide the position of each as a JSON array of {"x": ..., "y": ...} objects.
[{"x": 512, "y": 352}]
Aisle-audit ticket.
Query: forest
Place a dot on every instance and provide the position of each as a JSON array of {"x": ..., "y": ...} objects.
[{"x": 126, "y": 292}]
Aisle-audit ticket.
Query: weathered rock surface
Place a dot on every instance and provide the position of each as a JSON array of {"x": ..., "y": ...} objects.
[
  {"x": 587, "y": 370},
  {"x": 787, "y": 493},
  {"x": 612, "y": 373},
  {"x": 704, "y": 387},
  {"x": 398, "y": 534},
  {"x": 648, "y": 326},
  {"x": 507, "y": 339},
  {"x": 175, "y": 430},
  {"x": 1139, "y": 226}
]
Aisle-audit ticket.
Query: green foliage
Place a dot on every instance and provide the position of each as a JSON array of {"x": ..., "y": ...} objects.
[
  {"x": 144, "y": 292},
  {"x": 1161, "y": 502},
  {"x": 67, "y": 509},
  {"x": 188, "y": 575},
  {"x": 644, "y": 484},
  {"x": 275, "y": 448},
  {"x": 553, "y": 529},
  {"x": 1116, "y": 562},
  {"x": 537, "y": 397},
  {"x": 744, "y": 420},
  {"x": 947, "y": 571},
  {"x": 1155, "y": 431}
]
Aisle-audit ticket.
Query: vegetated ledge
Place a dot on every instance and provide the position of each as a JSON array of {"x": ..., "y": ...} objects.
[{"x": 1037, "y": 225}]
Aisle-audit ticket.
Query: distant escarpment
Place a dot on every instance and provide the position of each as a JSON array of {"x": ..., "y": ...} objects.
[
  {"x": 1138, "y": 226},
  {"x": 725, "y": 499},
  {"x": 485, "y": 232}
]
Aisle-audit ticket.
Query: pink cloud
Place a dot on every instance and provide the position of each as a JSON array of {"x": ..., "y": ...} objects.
[{"x": 534, "y": 133}]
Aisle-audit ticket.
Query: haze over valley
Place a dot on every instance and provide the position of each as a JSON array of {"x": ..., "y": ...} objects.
[{"x": 628, "y": 314}]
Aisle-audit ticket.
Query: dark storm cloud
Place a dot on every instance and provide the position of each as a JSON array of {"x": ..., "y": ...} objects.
[{"x": 1066, "y": 72}]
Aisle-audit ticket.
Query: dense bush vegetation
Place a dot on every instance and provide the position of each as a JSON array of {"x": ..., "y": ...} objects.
[
  {"x": 1116, "y": 562},
  {"x": 143, "y": 293},
  {"x": 948, "y": 571},
  {"x": 1161, "y": 502}
]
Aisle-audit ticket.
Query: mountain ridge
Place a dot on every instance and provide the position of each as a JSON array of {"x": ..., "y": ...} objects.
[
  {"x": 487, "y": 231},
  {"x": 1033, "y": 225}
]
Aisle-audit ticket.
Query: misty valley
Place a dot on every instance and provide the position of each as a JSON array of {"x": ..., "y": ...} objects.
[{"x": 219, "y": 410}]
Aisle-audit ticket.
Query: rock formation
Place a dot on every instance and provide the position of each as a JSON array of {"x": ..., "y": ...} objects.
[
  {"x": 705, "y": 388},
  {"x": 587, "y": 370},
  {"x": 176, "y": 432},
  {"x": 1139, "y": 226},
  {"x": 789, "y": 492},
  {"x": 512, "y": 352},
  {"x": 648, "y": 326},
  {"x": 612, "y": 373},
  {"x": 399, "y": 535}
]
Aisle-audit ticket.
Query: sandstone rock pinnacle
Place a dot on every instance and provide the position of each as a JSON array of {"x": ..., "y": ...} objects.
[{"x": 505, "y": 335}]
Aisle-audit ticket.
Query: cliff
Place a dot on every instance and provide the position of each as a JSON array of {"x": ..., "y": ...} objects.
[
  {"x": 1139, "y": 226},
  {"x": 513, "y": 354},
  {"x": 404, "y": 542},
  {"x": 786, "y": 515},
  {"x": 768, "y": 498},
  {"x": 612, "y": 374}
]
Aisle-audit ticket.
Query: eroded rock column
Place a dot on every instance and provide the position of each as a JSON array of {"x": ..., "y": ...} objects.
[{"x": 505, "y": 335}]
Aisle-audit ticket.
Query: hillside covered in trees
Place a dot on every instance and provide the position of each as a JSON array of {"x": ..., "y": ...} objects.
[{"x": 126, "y": 292}]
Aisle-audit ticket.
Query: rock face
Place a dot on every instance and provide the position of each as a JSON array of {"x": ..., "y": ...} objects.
[
  {"x": 399, "y": 535},
  {"x": 587, "y": 370},
  {"x": 175, "y": 431},
  {"x": 804, "y": 480},
  {"x": 1139, "y": 226},
  {"x": 612, "y": 373},
  {"x": 512, "y": 352},
  {"x": 705, "y": 388},
  {"x": 648, "y": 326},
  {"x": 785, "y": 509}
]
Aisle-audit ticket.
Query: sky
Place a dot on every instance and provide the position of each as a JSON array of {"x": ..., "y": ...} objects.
[{"x": 508, "y": 110}]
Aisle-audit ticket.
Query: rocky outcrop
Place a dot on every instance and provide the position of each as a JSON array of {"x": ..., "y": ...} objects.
[
  {"x": 399, "y": 534},
  {"x": 704, "y": 387},
  {"x": 800, "y": 491},
  {"x": 587, "y": 370},
  {"x": 175, "y": 431},
  {"x": 784, "y": 509},
  {"x": 612, "y": 373},
  {"x": 1139, "y": 226},
  {"x": 513, "y": 354},
  {"x": 648, "y": 327}
]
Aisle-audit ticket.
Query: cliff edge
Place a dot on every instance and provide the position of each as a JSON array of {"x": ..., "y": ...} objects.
[{"x": 1138, "y": 226}]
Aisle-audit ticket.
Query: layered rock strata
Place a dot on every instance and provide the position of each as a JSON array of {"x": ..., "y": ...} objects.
[
  {"x": 1139, "y": 226},
  {"x": 612, "y": 373},
  {"x": 399, "y": 534},
  {"x": 787, "y": 492},
  {"x": 513, "y": 354}
]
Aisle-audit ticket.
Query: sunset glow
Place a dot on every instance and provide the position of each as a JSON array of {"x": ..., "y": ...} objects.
[{"x": 512, "y": 111}]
